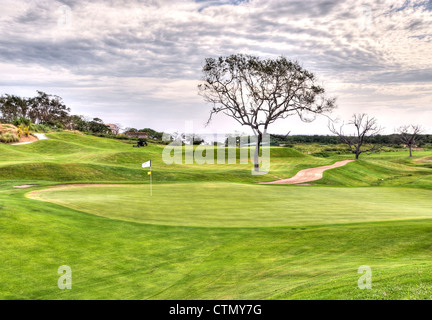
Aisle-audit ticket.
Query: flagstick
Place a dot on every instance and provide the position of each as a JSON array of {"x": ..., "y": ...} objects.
[{"x": 148, "y": 165}]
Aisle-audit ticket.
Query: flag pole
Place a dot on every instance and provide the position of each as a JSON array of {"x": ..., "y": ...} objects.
[{"x": 148, "y": 165}]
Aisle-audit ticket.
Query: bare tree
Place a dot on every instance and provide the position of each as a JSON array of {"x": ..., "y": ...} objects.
[
  {"x": 257, "y": 92},
  {"x": 359, "y": 142},
  {"x": 115, "y": 128},
  {"x": 409, "y": 135}
]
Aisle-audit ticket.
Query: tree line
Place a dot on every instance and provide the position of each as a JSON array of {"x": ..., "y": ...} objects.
[
  {"x": 42, "y": 109},
  {"x": 49, "y": 110},
  {"x": 385, "y": 140}
]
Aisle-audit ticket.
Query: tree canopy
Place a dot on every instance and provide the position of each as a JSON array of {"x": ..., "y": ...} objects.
[
  {"x": 256, "y": 92},
  {"x": 43, "y": 109},
  {"x": 95, "y": 125}
]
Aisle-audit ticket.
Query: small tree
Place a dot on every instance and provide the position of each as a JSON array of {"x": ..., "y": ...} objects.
[
  {"x": 115, "y": 128},
  {"x": 408, "y": 135},
  {"x": 365, "y": 127},
  {"x": 153, "y": 134},
  {"x": 97, "y": 126},
  {"x": 79, "y": 123},
  {"x": 256, "y": 92}
]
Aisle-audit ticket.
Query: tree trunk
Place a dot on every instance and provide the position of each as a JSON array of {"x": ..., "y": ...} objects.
[
  {"x": 357, "y": 155},
  {"x": 257, "y": 149},
  {"x": 410, "y": 149}
]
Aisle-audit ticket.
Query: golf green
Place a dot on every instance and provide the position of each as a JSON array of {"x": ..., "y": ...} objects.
[{"x": 242, "y": 205}]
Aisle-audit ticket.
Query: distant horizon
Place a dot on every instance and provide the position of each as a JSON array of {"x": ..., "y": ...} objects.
[{"x": 222, "y": 136}]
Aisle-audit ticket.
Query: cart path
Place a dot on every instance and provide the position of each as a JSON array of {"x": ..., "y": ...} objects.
[
  {"x": 40, "y": 136},
  {"x": 308, "y": 175}
]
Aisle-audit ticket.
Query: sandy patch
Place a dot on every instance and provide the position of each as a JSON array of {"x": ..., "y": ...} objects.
[
  {"x": 30, "y": 139},
  {"x": 40, "y": 136},
  {"x": 23, "y": 186},
  {"x": 26, "y": 140},
  {"x": 77, "y": 185}
]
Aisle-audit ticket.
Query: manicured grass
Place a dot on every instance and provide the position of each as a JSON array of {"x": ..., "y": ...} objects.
[
  {"x": 209, "y": 231},
  {"x": 240, "y": 205},
  {"x": 112, "y": 259}
]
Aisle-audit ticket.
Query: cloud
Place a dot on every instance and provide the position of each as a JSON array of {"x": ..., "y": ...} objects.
[{"x": 149, "y": 53}]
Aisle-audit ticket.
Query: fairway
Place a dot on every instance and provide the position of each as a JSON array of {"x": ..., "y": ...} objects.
[{"x": 241, "y": 205}]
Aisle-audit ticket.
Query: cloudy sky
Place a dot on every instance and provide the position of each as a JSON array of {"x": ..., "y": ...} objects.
[{"x": 138, "y": 63}]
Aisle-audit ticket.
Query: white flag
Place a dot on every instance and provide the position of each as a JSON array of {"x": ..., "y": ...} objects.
[{"x": 147, "y": 164}]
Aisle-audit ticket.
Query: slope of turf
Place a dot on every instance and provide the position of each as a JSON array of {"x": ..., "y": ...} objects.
[
  {"x": 99, "y": 159},
  {"x": 105, "y": 160}
]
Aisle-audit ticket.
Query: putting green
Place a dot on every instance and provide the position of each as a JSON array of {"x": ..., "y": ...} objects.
[{"x": 241, "y": 205}]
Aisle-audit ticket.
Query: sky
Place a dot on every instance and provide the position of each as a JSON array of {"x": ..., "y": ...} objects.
[{"x": 138, "y": 63}]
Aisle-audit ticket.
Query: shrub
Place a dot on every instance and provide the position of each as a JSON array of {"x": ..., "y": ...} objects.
[
  {"x": 8, "y": 137},
  {"x": 19, "y": 132},
  {"x": 26, "y": 131},
  {"x": 21, "y": 121},
  {"x": 43, "y": 128}
]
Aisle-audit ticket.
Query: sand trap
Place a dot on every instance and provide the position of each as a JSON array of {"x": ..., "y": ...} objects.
[
  {"x": 31, "y": 139},
  {"x": 40, "y": 136},
  {"x": 78, "y": 185},
  {"x": 308, "y": 175},
  {"x": 23, "y": 186}
]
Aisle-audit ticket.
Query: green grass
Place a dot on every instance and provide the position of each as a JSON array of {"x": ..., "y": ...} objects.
[
  {"x": 210, "y": 232},
  {"x": 210, "y": 205}
]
